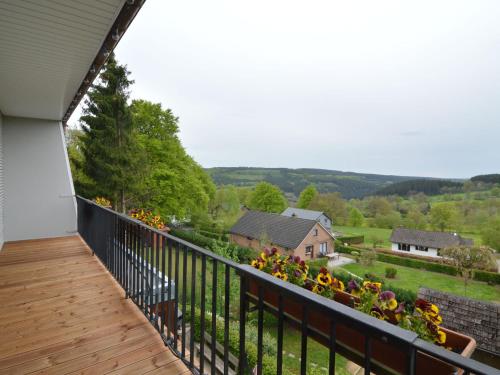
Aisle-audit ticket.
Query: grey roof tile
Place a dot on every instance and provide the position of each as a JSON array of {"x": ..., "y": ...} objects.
[
  {"x": 278, "y": 229},
  {"x": 429, "y": 239}
]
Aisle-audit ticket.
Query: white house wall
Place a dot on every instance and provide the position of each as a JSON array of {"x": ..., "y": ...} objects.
[
  {"x": 430, "y": 253},
  {"x": 39, "y": 194}
]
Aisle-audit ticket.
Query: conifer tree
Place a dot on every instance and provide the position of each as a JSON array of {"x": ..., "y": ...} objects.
[{"x": 108, "y": 146}]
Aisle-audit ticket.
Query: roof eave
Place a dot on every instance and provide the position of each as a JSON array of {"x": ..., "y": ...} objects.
[{"x": 122, "y": 22}]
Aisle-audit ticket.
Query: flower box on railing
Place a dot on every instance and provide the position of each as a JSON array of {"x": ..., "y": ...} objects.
[{"x": 350, "y": 341}]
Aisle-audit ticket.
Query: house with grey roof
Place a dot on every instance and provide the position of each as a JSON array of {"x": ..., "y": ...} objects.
[
  {"x": 425, "y": 243},
  {"x": 319, "y": 216},
  {"x": 289, "y": 234}
]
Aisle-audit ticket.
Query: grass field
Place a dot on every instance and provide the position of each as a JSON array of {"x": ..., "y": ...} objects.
[
  {"x": 413, "y": 279},
  {"x": 317, "y": 354},
  {"x": 385, "y": 234}
]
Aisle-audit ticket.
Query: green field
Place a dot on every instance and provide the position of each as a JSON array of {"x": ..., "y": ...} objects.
[
  {"x": 385, "y": 234},
  {"x": 317, "y": 354},
  {"x": 413, "y": 279}
]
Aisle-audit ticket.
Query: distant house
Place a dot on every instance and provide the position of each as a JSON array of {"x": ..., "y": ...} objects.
[
  {"x": 425, "y": 243},
  {"x": 319, "y": 216},
  {"x": 290, "y": 235}
]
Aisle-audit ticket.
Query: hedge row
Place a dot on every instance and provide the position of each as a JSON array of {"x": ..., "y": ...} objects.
[
  {"x": 214, "y": 235},
  {"x": 488, "y": 277},
  {"x": 241, "y": 254},
  {"x": 352, "y": 240},
  {"x": 420, "y": 264}
]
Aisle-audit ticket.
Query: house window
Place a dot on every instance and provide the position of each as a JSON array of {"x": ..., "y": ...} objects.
[
  {"x": 403, "y": 247},
  {"x": 323, "y": 248},
  {"x": 309, "y": 250},
  {"x": 421, "y": 248},
  {"x": 315, "y": 232}
]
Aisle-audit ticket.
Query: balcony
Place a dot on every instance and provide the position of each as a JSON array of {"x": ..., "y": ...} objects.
[
  {"x": 188, "y": 293},
  {"x": 62, "y": 312}
]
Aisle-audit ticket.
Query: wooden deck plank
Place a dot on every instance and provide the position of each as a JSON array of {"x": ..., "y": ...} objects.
[{"x": 62, "y": 312}]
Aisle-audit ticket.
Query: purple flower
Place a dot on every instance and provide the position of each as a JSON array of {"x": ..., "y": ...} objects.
[
  {"x": 353, "y": 285},
  {"x": 400, "y": 308},
  {"x": 387, "y": 295}
]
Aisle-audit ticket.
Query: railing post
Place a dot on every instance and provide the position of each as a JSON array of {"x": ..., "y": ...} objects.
[{"x": 243, "y": 317}]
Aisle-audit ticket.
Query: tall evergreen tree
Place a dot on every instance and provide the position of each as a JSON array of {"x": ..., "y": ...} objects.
[{"x": 108, "y": 147}]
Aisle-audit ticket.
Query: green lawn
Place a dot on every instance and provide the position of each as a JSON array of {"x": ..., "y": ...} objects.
[
  {"x": 317, "y": 354},
  {"x": 413, "y": 279},
  {"x": 381, "y": 233}
]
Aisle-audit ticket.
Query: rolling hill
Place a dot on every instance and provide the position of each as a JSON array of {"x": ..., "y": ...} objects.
[{"x": 293, "y": 181}]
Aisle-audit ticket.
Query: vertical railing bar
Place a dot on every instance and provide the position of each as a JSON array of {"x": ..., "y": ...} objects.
[
  {"x": 129, "y": 259},
  {"x": 368, "y": 354},
  {"x": 140, "y": 294},
  {"x": 184, "y": 299},
  {"x": 202, "y": 312},
  {"x": 193, "y": 302},
  {"x": 136, "y": 268},
  {"x": 412, "y": 361},
  {"x": 144, "y": 269},
  {"x": 243, "y": 304},
  {"x": 151, "y": 275},
  {"x": 169, "y": 289},
  {"x": 157, "y": 280},
  {"x": 333, "y": 346},
  {"x": 163, "y": 266},
  {"x": 279, "y": 359},
  {"x": 260, "y": 326},
  {"x": 226, "y": 318},
  {"x": 213, "y": 348},
  {"x": 176, "y": 293},
  {"x": 303, "y": 344}
]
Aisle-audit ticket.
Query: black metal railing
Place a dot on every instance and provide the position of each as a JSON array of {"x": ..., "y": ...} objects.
[{"x": 189, "y": 293}]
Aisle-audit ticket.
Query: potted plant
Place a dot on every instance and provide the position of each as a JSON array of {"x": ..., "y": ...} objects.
[
  {"x": 367, "y": 297},
  {"x": 149, "y": 218}
]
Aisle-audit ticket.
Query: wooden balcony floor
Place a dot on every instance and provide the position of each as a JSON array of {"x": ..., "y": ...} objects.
[{"x": 61, "y": 312}]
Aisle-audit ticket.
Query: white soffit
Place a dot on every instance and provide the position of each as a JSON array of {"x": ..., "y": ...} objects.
[{"x": 46, "y": 49}]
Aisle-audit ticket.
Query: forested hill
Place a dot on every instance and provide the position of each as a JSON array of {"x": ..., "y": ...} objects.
[
  {"x": 426, "y": 186},
  {"x": 293, "y": 181}
]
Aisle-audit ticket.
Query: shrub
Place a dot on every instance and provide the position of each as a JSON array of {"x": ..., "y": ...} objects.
[
  {"x": 231, "y": 251},
  {"x": 355, "y": 254},
  {"x": 268, "y": 348},
  {"x": 491, "y": 278},
  {"x": 390, "y": 272},
  {"x": 368, "y": 257}
]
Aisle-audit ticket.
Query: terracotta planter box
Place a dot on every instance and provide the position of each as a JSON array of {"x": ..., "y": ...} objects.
[{"x": 386, "y": 358}]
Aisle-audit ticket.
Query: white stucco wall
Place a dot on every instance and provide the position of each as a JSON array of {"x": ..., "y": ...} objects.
[
  {"x": 1, "y": 185},
  {"x": 39, "y": 194},
  {"x": 430, "y": 253}
]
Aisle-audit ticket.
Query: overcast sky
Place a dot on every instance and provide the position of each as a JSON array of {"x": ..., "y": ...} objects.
[{"x": 387, "y": 87}]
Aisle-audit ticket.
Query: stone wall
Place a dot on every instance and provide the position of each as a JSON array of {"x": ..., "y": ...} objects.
[{"x": 478, "y": 319}]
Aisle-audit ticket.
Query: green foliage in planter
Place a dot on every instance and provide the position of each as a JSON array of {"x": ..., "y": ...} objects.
[
  {"x": 269, "y": 343},
  {"x": 390, "y": 272},
  {"x": 414, "y": 263},
  {"x": 489, "y": 277}
]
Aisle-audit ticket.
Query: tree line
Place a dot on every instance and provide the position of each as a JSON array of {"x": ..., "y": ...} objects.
[{"x": 129, "y": 152}]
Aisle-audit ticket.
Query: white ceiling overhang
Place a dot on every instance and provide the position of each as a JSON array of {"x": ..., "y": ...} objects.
[{"x": 46, "y": 50}]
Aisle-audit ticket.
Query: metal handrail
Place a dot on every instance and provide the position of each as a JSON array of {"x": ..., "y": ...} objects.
[{"x": 367, "y": 325}]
